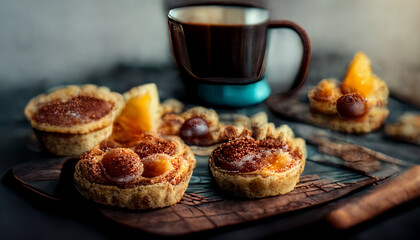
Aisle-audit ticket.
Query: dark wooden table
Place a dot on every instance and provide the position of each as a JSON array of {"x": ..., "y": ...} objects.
[{"x": 27, "y": 216}]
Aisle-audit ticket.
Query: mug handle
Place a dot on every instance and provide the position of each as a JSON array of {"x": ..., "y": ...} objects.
[{"x": 306, "y": 55}]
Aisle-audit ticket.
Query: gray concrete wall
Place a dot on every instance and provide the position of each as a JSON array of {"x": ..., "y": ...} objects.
[
  {"x": 61, "y": 40},
  {"x": 49, "y": 40}
]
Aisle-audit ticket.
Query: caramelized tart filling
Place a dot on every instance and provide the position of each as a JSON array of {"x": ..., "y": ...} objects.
[
  {"x": 157, "y": 165},
  {"x": 73, "y": 111},
  {"x": 248, "y": 155},
  {"x": 327, "y": 91}
]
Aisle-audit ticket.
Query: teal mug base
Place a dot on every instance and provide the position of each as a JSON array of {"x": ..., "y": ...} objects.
[{"x": 234, "y": 95}]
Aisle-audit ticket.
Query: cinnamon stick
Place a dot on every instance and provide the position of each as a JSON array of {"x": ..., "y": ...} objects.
[{"x": 402, "y": 188}]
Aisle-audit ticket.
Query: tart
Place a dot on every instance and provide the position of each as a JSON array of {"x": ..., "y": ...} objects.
[
  {"x": 151, "y": 173},
  {"x": 356, "y": 105},
  {"x": 73, "y": 119},
  {"x": 203, "y": 127},
  {"x": 250, "y": 168},
  {"x": 196, "y": 126},
  {"x": 407, "y": 128}
]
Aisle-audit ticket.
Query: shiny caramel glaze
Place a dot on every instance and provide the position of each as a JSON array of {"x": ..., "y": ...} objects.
[
  {"x": 73, "y": 111},
  {"x": 149, "y": 160},
  {"x": 246, "y": 155}
]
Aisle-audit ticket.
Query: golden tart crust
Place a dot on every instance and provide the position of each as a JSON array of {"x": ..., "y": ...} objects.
[
  {"x": 251, "y": 168},
  {"x": 73, "y": 119},
  {"x": 158, "y": 175}
]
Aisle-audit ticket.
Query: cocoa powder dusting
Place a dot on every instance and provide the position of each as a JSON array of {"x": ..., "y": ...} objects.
[
  {"x": 73, "y": 111},
  {"x": 246, "y": 154},
  {"x": 90, "y": 168},
  {"x": 93, "y": 172},
  {"x": 151, "y": 145}
]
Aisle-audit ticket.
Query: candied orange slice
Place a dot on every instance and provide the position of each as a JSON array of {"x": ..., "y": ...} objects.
[
  {"x": 141, "y": 111},
  {"x": 136, "y": 115},
  {"x": 156, "y": 165},
  {"x": 359, "y": 76}
]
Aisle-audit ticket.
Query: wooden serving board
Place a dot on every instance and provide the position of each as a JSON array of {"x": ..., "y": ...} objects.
[{"x": 203, "y": 206}]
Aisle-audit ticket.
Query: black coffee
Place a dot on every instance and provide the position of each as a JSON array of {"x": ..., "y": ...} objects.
[{"x": 220, "y": 47}]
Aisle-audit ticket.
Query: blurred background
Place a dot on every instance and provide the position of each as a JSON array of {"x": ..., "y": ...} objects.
[{"x": 55, "y": 42}]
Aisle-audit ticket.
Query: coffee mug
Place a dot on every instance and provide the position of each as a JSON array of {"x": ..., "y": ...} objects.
[{"x": 221, "y": 44}]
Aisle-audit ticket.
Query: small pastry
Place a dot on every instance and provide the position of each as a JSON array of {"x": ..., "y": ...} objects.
[
  {"x": 202, "y": 127},
  {"x": 196, "y": 126},
  {"x": 407, "y": 128},
  {"x": 356, "y": 105},
  {"x": 73, "y": 119},
  {"x": 150, "y": 173},
  {"x": 251, "y": 168}
]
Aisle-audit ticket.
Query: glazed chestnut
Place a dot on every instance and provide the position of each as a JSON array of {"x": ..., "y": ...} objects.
[
  {"x": 351, "y": 106},
  {"x": 121, "y": 165},
  {"x": 194, "y": 128}
]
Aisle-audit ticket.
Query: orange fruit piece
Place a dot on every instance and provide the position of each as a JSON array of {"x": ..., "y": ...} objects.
[
  {"x": 136, "y": 115},
  {"x": 359, "y": 77},
  {"x": 156, "y": 165},
  {"x": 141, "y": 111}
]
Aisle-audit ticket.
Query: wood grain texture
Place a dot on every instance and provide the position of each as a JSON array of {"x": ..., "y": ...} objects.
[
  {"x": 403, "y": 188},
  {"x": 196, "y": 213},
  {"x": 352, "y": 156},
  {"x": 202, "y": 207}
]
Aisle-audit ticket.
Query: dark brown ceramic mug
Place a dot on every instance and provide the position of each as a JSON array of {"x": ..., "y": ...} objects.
[{"x": 227, "y": 44}]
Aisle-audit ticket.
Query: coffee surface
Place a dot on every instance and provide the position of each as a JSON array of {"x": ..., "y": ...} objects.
[{"x": 220, "y": 51}]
